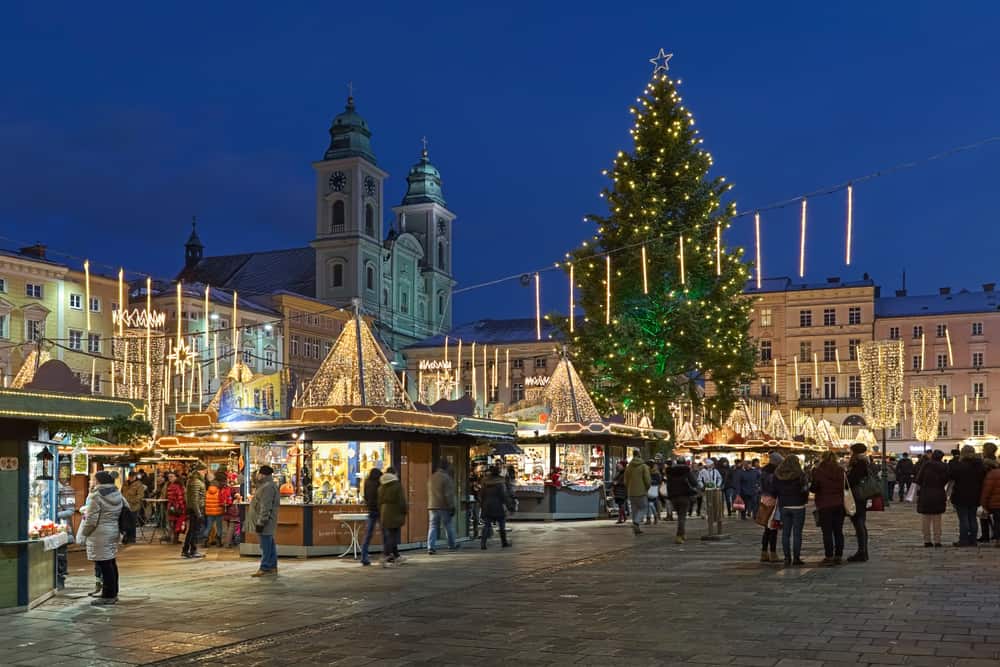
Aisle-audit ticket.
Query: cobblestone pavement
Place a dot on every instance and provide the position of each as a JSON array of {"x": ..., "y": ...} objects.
[{"x": 569, "y": 593}]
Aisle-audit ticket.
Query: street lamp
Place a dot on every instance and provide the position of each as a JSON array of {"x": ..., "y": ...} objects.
[{"x": 881, "y": 365}]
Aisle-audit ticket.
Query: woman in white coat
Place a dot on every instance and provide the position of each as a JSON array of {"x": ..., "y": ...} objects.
[{"x": 100, "y": 528}]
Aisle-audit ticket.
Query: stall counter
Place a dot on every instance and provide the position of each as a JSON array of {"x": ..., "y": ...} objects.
[{"x": 537, "y": 502}]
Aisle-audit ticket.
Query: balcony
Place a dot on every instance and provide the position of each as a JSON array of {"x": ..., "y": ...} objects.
[{"x": 830, "y": 402}]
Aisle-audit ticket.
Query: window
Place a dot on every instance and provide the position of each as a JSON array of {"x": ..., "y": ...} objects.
[
  {"x": 765, "y": 350},
  {"x": 4, "y": 328},
  {"x": 33, "y": 291},
  {"x": 293, "y": 347},
  {"x": 896, "y": 432},
  {"x": 941, "y": 330},
  {"x": 893, "y": 333},
  {"x": 977, "y": 359},
  {"x": 942, "y": 429},
  {"x": 441, "y": 255},
  {"x": 94, "y": 343},
  {"x": 854, "y": 315},
  {"x": 830, "y": 387},
  {"x": 744, "y": 390},
  {"x": 829, "y": 350},
  {"x": 978, "y": 389},
  {"x": 805, "y": 318},
  {"x": 805, "y": 351},
  {"x": 765, "y": 388},
  {"x": 917, "y": 362},
  {"x": 517, "y": 363},
  {"x": 516, "y": 392},
  {"x": 337, "y": 275},
  {"x": 541, "y": 362},
  {"x": 943, "y": 391},
  {"x": 854, "y": 386},
  {"x": 805, "y": 387},
  {"x": 247, "y": 357},
  {"x": 3, "y": 285},
  {"x": 468, "y": 390},
  {"x": 766, "y": 317},
  {"x": 76, "y": 301},
  {"x": 75, "y": 340},
  {"x": 337, "y": 219},
  {"x": 829, "y": 317},
  {"x": 326, "y": 349},
  {"x": 978, "y": 428},
  {"x": 34, "y": 330},
  {"x": 852, "y": 348},
  {"x": 370, "y": 277},
  {"x": 467, "y": 365},
  {"x": 942, "y": 361},
  {"x": 404, "y": 302},
  {"x": 977, "y": 328},
  {"x": 369, "y": 220},
  {"x": 918, "y": 331}
]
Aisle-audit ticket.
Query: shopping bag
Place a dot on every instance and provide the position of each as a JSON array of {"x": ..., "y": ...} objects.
[
  {"x": 877, "y": 504},
  {"x": 739, "y": 504},
  {"x": 911, "y": 495},
  {"x": 653, "y": 492},
  {"x": 765, "y": 510},
  {"x": 850, "y": 509}
]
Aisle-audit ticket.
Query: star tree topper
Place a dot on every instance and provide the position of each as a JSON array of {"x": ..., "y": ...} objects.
[{"x": 660, "y": 62}]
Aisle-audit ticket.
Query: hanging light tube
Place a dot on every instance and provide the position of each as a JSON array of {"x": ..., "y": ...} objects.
[
  {"x": 947, "y": 337},
  {"x": 923, "y": 348},
  {"x": 836, "y": 354},
  {"x": 572, "y": 300},
  {"x": 645, "y": 276},
  {"x": 507, "y": 367},
  {"x": 681, "y": 244},
  {"x": 538, "y": 307},
  {"x": 756, "y": 228},
  {"x": 718, "y": 249},
  {"x": 850, "y": 220},
  {"x": 607, "y": 289},
  {"x": 802, "y": 242},
  {"x": 86, "y": 289}
]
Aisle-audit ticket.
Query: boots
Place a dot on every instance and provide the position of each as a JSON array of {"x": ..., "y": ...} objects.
[
  {"x": 764, "y": 557},
  {"x": 774, "y": 557},
  {"x": 98, "y": 586},
  {"x": 504, "y": 542}
]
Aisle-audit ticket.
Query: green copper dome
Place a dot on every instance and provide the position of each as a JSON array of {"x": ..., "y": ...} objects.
[
  {"x": 350, "y": 136},
  {"x": 423, "y": 183}
]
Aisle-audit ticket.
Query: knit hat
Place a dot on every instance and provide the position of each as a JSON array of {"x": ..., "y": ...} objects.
[
  {"x": 265, "y": 470},
  {"x": 859, "y": 448},
  {"x": 774, "y": 458},
  {"x": 104, "y": 477}
]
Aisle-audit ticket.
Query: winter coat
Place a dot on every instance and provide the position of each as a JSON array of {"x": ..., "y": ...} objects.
[
  {"x": 767, "y": 479},
  {"x": 391, "y": 502},
  {"x": 931, "y": 480},
  {"x": 213, "y": 500},
  {"x": 441, "y": 491},
  {"x": 709, "y": 477},
  {"x": 968, "y": 476},
  {"x": 194, "y": 494},
  {"x": 790, "y": 484},
  {"x": 494, "y": 498},
  {"x": 990, "y": 496},
  {"x": 890, "y": 472},
  {"x": 637, "y": 478},
  {"x": 134, "y": 494},
  {"x": 263, "y": 514},
  {"x": 857, "y": 470},
  {"x": 104, "y": 505},
  {"x": 747, "y": 482},
  {"x": 905, "y": 470},
  {"x": 681, "y": 482},
  {"x": 828, "y": 483},
  {"x": 618, "y": 488},
  {"x": 227, "y": 498},
  {"x": 175, "y": 499},
  {"x": 371, "y": 495}
]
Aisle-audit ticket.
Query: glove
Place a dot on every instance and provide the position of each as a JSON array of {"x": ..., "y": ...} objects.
[{"x": 260, "y": 529}]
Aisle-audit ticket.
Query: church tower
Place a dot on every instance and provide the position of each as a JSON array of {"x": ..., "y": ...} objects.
[
  {"x": 194, "y": 249},
  {"x": 349, "y": 196}
]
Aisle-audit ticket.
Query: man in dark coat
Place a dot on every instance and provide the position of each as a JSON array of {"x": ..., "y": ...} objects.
[
  {"x": 967, "y": 478},
  {"x": 495, "y": 502},
  {"x": 932, "y": 499},
  {"x": 681, "y": 486},
  {"x": 904, "y": 475}
]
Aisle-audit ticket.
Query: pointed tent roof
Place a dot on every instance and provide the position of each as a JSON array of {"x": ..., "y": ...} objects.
[
  {"x": 571, "y": 404},
  {"x": 686, "y": 433},
  {"x": 776, "y": 426},
  {"x": 355, "y": 373},
  {"x": 32, "y": 363}
]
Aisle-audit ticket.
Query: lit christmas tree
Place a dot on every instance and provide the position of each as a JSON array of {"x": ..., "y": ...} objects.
[{"x": 672, "y": 316}]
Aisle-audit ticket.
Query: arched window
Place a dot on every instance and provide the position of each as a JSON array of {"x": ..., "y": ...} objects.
[
  {"x": 338, "y": 219},
  {"x": 369, "y": 220},
  {"x": 370, "y": 277},
  {"x": 337, "y": 275},
  {"x": 441, "y": 256}
]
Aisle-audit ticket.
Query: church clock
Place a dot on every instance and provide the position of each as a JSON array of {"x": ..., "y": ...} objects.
[
  {"x": 369, "y": 186},
  {"x": 338, "y": 181}
]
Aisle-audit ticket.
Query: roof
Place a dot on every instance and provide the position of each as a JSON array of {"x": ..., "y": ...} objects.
[
  {"x": 494, "y": 332},
  {"x": 962, "y": 301},
  {"x": 195, "y": 293},
  {"x": 785, "y": 284},
  {"x": 259, "y": 273}
]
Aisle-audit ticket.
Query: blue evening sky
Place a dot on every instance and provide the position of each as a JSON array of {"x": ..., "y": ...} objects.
[{"x": 118, "y": 121}]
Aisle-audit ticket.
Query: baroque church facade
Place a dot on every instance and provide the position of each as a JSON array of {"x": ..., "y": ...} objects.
[{"x": 401, "y": 276}]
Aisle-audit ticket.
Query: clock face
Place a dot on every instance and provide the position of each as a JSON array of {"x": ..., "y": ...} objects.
[
  {"x": 338, "y": 181},
  {"x": 369, "y": 186}
]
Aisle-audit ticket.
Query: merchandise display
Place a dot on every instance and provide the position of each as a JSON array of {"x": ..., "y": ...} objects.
[{"x": 339, "y": 469}]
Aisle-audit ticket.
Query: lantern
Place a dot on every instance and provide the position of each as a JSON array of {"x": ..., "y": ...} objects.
[{"x": 44, "y": 459}]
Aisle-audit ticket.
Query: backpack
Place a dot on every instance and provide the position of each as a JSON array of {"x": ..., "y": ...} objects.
[{"x": 126, "y": 519}]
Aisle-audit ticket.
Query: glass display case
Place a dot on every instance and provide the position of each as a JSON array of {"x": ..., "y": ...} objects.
[
  {"x": 41, "y": 490},
  {"x": 339, "y": 469}
]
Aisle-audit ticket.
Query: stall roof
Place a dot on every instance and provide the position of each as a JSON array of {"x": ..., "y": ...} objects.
[{"x": 54, "y": 406}]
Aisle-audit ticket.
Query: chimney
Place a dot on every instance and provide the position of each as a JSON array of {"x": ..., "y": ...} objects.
[
  {"x": 901, "y": 292},
  {"x": 944, "y": 290},
  {"x": 37, "y": 250},
  {"x": 988, "y": 287}
]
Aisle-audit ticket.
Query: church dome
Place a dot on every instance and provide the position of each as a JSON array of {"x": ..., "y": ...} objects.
[
  {"x": 350, "y": 136},
  {"x": 423, "y": 183}
]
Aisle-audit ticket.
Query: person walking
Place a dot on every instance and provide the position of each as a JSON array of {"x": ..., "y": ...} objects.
[
  {"x": 392, "y": 514},
  {"x": 828, "y": 484},
  {"x": 637, "y": 482},
  {"x": 791, "y": 487},
  {"x": 619, "y": 491},
  {"x": 214, "y": 508},
  {"x": 653, "y": 495},
  {"x": 729, "y": 473},
  {"x": 681, "y": 486},
  {"x": 932, "y": 499},
  {"x": 495, "y": 502},
  {"x": 173, "y": 492},
  {"x": 441, "y": 506},
  {"x": 748, "y": 480},
  {"x": 857, "y": 469},
  {"x": 967, "y": 487},
  {"x": 890, "y": 477},
  {"x": 905, "y": 474},
  {"x": 769, "y": 497},
  {"x": 230, "y": 499},
  {"x": 370, "y": 493},
  {"x": 263, "y": 516},
  {"x": 987, "y": 525},
  {"x": 989, "y": 499},
  {"x": 194, "y": 501},
  {"x": 100, "y": 529},
  {"x": 134, "y": 493}
]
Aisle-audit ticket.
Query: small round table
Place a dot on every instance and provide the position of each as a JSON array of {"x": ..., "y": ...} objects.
[{"x": 353, "y": 523}]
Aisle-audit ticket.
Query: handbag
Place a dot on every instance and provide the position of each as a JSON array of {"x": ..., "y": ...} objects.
[
  {"x": 765, "y": 510},
  {"x": 663, "y": 489},
  {"x": 877, "y": 504},
  {"x": 870, "y": 486},
  {"x": 653, "y": 492},
  {"x": 739, "y": 504},
  {"x": 911, "y": 495},
  {"x": 850, "y": 509}
]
